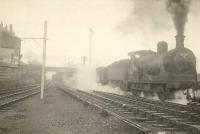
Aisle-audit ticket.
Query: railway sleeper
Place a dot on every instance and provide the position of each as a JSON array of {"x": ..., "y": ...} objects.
[
  {"x": 184, "y": 109},
  {"x": 86, "y": 102},
  {"x": 193, "y": 130},
  {"x": 191, "y": 127},
  {"x": 180, "y": 114},
  {"x": 177, "y": 122},
  {"x": 128, "y": 119},
  {"x": 192, "y": 116},
  {"x": 122, "y": 110},
  {"x": 109, "y": 112},
  {"x": 128, "y": 113},
  {"x": 168, "y": 129},
  {"x": 140, "y": 119}
]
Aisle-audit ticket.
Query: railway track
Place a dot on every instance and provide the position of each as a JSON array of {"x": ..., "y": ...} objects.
[
  {"x": 10, "y": 90},
  {"x": 171, "y": 114},
  {"x": 148, "y": 116},
  {"x": 11, "y": 96}
]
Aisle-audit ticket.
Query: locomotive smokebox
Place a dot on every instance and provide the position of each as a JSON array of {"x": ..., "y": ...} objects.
[{"x": 180, "y": 41}]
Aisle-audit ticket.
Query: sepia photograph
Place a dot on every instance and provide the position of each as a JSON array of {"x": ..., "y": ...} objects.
[{"x": 99, "y": 66}]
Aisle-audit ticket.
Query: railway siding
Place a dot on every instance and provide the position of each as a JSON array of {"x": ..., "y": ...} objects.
[{"x": 13, "y": 95}]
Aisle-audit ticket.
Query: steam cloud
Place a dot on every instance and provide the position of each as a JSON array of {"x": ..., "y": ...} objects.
[
  {"x": 86, "y": 79},
  {"x": 179, "y": 10},
  {"x": 180, "y": 98}
]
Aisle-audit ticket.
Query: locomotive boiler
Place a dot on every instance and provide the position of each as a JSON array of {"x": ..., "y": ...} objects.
[{"x": 163, "y": 72}]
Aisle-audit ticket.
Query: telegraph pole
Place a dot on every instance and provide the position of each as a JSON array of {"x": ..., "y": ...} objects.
[
  {"x": 84, "y": 59},
  {"x": 90, "y": 49},
  {"x": 44, "y": 60},
  {"x": 44, "y": 38}
]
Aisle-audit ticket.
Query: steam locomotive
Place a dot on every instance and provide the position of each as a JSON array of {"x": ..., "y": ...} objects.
[{"x": 163, "y": 72}]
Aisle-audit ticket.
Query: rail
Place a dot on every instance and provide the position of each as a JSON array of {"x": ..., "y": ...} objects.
[
  {"x": 138, "y": 114},
  {"x": 11, "y": 96}
]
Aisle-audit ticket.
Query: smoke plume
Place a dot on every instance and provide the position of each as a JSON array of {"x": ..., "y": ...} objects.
[
  {"x": 179, "y": 10},
  {"x": 146, "y": 16}
]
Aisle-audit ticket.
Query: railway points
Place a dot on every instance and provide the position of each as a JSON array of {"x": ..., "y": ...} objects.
[{"x": 146, "y": 115}]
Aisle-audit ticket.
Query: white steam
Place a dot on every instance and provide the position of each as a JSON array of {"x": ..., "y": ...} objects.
[
  {"x": 179, "y": 98},
  {"x": 160, "y": 132},
  {"x": 152, "y": 96},
  {"x": 86, "y": 79}
]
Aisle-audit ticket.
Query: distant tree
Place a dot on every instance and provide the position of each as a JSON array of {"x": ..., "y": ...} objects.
[
  {"x": 35, "y": 71},
  {"x": 32, "y": 72}
]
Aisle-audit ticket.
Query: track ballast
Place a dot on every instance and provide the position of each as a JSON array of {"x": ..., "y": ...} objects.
[{"x": 148, "y": 116}]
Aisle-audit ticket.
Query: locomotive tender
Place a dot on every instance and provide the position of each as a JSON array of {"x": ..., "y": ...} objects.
[{"x": 163, "y": 72}]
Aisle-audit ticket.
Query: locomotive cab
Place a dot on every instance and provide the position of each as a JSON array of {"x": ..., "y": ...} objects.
[{"x": 146, "y": 71}]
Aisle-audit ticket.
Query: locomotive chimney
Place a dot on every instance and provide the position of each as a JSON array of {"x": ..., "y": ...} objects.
[{"x": 180, "y": 41}]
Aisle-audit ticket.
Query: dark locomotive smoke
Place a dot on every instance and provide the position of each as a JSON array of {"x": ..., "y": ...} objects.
[
  {"x": 146, "y": 16},
  {"x": 151, "y": 16},
  {"x": 179, "y": 10}
]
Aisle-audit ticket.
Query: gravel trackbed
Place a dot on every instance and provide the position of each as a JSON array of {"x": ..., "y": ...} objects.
[{"x": 57, "y": 113}]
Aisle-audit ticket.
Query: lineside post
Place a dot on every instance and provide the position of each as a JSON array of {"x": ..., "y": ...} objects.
[
  {"x": 90, "y": 49},
  {"x": 43, "y": 61}
]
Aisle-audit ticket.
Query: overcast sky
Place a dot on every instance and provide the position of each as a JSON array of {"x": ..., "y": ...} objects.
[{"x": 120, "y": 26}]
